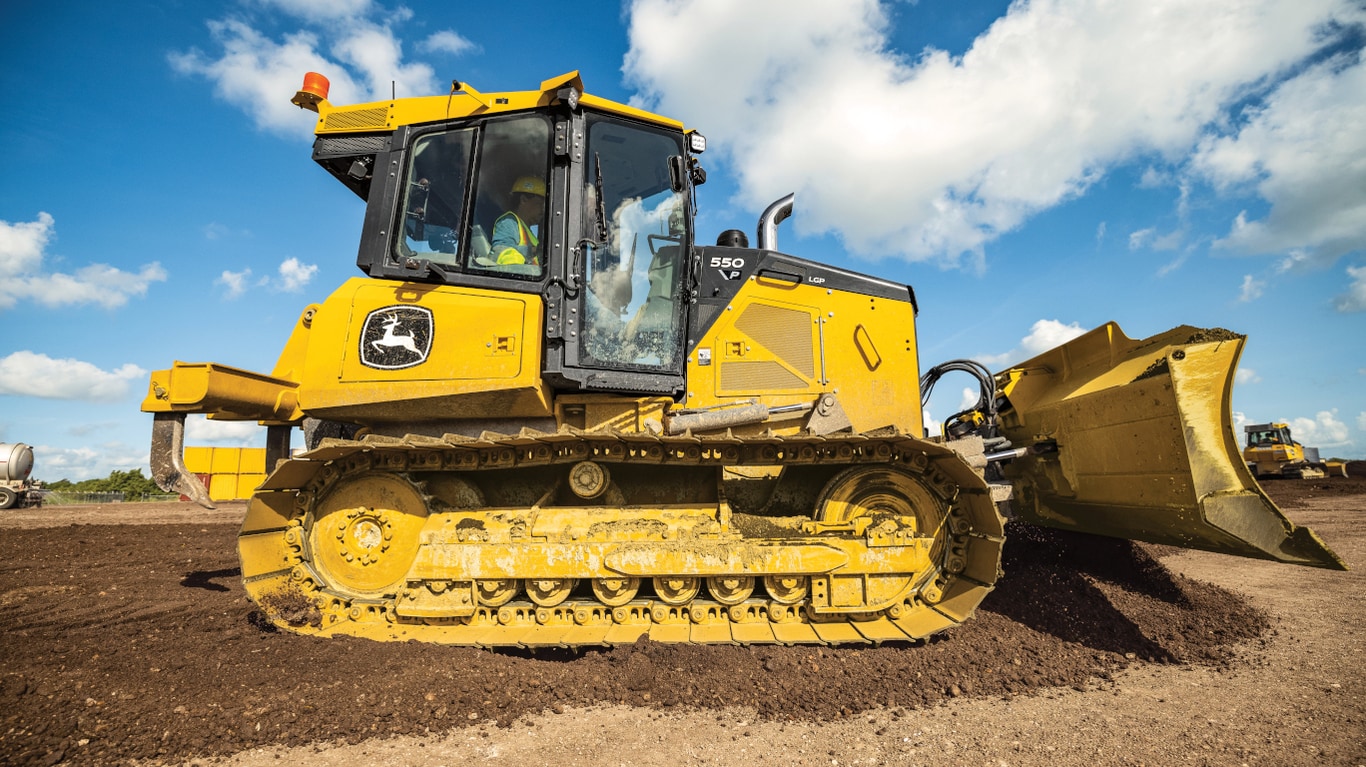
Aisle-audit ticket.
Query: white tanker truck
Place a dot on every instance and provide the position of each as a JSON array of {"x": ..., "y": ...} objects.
[{"x": 16, "y": 489}]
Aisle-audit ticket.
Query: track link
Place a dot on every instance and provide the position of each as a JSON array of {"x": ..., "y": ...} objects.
[{"x": 598, "y": 538}]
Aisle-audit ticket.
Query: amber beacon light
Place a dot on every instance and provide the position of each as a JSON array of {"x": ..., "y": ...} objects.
[{"x": 314, "y": 90}]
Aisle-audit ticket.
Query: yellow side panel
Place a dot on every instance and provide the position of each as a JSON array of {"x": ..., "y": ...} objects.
[
  {"x": 476, "y": 334},
  {"x": 770, "y": 347},
  {"x": 390, "y": 349},
  {"x": 785, "y": 344}
]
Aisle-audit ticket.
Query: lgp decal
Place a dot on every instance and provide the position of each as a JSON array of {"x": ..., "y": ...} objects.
[{"x": 396, "y": 337}]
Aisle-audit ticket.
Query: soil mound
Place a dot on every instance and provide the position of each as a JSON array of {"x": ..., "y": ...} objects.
[
  {"x": 1294, "y": 492},
  {"x": 124, "y": 642}
]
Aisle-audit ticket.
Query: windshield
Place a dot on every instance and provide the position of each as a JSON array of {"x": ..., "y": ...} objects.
[
  {"x": 1269, "y": 437},
  {"x": 503, "y": 234},
  {"x": 637, "y": 221}
]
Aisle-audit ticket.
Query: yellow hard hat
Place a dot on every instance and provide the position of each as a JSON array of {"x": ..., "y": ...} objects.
[{"x": 529, "y": 185}]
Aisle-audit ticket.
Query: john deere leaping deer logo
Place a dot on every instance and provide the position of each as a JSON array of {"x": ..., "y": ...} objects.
[{"x": 396, "y": 337}]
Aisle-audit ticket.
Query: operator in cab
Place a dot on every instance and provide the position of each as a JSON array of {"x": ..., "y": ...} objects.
[{"x": 515, "y": 238}]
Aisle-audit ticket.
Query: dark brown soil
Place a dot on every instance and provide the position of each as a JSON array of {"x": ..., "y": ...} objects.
[
  {"x": 136, "y": 641},
  {"x": 1289, "y": 492}
]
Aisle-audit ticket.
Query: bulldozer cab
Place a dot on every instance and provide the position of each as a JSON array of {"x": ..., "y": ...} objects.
[
  {"x": 590, "y": 210},
  {"x": 1266, "y": 434}
]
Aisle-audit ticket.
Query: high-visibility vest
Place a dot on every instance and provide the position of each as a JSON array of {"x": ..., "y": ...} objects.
[{"x": 525, "y": 237}]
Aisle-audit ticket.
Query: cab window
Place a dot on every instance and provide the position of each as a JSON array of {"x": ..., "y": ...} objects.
[
  {"x": 434, "y": 197},
  {"x": 507, "y": 233},
  {"x": 497, "y": 170}
]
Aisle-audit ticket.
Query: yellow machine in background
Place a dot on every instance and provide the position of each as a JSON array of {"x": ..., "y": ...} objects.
[
  {"x": 1272, "y": 452},
  {"x": 228, "y": 473},
  {"x": 546, "y": 415}
]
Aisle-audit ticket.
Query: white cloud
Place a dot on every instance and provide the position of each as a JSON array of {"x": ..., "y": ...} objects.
[
  {"x": 1324, "y": 430},
  {"x": 23, "y": 277},
  {"x": 935, "y": 156},
  {"x": 1354, "y": 300},
  {"x": 316, "y": 10},
  {"x": 1304, "y": 150},
  {"x": 1247, "y": 376},
  {"x": 53, "y": 463},
  {"x": 1252, "y": 289},
  {"x": 1150, "y": 239},
  {"x": 1043, "y": 335},
  {"x": 447, "y": 41},
  {"x": 1295, "y": 259},
  {"x": 200, "y": 430},
  {"x": 1046, "y": 334},
  {"x": 29, "y": 374},
  {"x": 1361, "y": 421},
  {"x": 294, "y": 275},
  {"x": 1173, "y": 265},
  {"x": 1154, "y": 178},
  {"x": 1169, "y": 241},
  {"x": 378, "y": 55},
  {"x": 1239, "y": 420},
  {"x": 258, "y": 73},
  {"x": 22, "y": 244},
  {"x": 1141, "y": 238},
  {"x": 235, "y": 282},
  {"x": 932, "y": 427}
]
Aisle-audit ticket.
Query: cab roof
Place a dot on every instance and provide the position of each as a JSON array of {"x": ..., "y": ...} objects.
[{"x": 462, "y": 101}]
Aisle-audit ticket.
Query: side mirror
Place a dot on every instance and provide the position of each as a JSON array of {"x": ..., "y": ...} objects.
[
  {"x": 678, "y": 172},
  {"x": 681, "y": 168}
]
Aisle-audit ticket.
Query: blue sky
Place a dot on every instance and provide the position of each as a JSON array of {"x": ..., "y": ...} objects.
[{"x": 1033, "y": 170}]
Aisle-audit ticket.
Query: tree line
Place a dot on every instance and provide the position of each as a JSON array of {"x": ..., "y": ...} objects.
[{"x": 131, "y": 483}]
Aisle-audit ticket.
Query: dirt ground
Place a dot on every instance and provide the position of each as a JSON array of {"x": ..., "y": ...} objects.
[{"x": 125, "y": 637}]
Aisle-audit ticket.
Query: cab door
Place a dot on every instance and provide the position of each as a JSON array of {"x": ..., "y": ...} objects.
[{"x": 625, "y": 316}]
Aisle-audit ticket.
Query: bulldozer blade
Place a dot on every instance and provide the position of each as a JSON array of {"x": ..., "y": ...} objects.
[
  {"x": 1134, "y": 439},
  {"x": 168, "y": 459}
]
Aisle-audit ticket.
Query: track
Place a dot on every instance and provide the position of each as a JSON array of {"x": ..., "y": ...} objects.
[{"x": 573, "y": 538}]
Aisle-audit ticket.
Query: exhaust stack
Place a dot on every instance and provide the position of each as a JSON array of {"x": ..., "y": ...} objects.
[{"x": 773, "y": 215}]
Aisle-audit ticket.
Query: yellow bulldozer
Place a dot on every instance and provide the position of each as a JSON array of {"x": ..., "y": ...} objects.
[
  {"x": 1272, "y": 452},
  {"x": 547, "y": 415}
]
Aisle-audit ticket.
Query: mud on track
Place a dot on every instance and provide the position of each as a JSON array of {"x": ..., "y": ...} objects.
[{"x": 129, "y": 641}]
